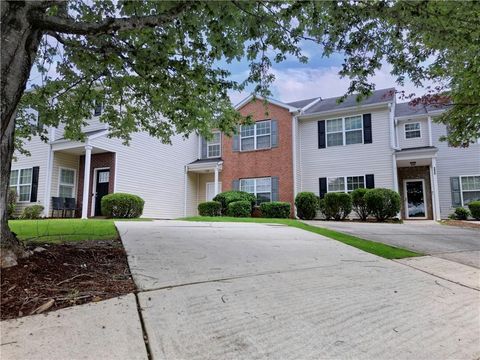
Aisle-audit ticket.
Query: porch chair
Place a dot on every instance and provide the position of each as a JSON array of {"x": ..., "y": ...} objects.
[
  {"x": 70, "y": 206},
  {"x": 58, "y": 204}
]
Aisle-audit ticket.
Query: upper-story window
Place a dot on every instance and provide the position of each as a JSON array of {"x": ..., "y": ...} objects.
[
  {"x": 98, "y": 108},
  {"x": 256, "y": 136},
  {"x": 21, "y": 182},
  {"x": 214, "y": 145},
  {"x": 345, "y": 183},
  {"x": 347, "y": 130},
  {"x": 413, "y": 130},
  {"x": 260, "y": 187}
]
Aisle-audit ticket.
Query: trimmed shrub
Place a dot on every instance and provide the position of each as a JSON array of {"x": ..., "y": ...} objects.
[
  {"x": 210, "y": 208},
  {"x": 474, "y": 208},
  {"x": 275, "y": 209},
  {"x": 227, "y": 197},
  {"x": 460, "y": 213},
  {"x": 307, "y": 205},
  {"x": 337, "y": 205},
  {"x": 241, "y": 208},
  {"x": 11, "y": 203},
  {"x": 382, "y": 203},
  {"x": 32, "y": 212},
  {"x": 122, "y": 205},
  {"x": 358, "y": 203}
]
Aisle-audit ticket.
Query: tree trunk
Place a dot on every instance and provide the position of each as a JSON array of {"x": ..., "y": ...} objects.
[{"x": 19, "y": 43}]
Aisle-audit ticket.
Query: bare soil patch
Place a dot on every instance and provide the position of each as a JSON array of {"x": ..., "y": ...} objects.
[
  {"x": 461, "y": 223},
  {"x": 64, "y": 275}
]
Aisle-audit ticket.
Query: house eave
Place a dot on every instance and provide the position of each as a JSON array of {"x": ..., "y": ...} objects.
[{"x": 343, "y": 110}]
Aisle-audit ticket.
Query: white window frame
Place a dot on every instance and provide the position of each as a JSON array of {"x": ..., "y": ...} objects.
[
  {"x": 212, "y": 183},
  {"x": 461, "y": 186},
  {"x": 345, "y": 183},
  {"x": 209, "y": 143},
  {"x": 60, "y": 168},
  {"x": 255, "y": 136},
  {"x": 344, "y": 131},
  {"x": 419, "y": 130},
  {"x": 255, "y": 192},
  {"x": 17, "y": 185}
]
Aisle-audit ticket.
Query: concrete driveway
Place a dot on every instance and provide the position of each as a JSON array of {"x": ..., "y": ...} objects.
[
  {"x": 252, "y": 291},
  {"x": 453, "y": 243}
]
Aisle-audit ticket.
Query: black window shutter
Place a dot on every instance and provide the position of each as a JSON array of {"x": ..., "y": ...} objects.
[
  {"x": 274, "y": 131},
  {"x": 204, "y": 148},
  {"x": 323, "y": 187},
  {"x": 455, "y": 188},
  {"x": 33, "y": 193},
  {"x": 275, "y": 190},
  {"x": 367, "y": 128},
  {"x": 236, "y": 140},
  {"x": 321, "y": 134},
  {"x": 370, "y": 181}
]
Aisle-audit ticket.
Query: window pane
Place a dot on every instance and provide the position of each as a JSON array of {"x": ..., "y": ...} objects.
[
  {"x": 24, "y": 193},
  {"x": 65, "y": 191},
  {"x": 355, "y": 182},
  {"x": 470, "y": 182},
  {"x": 334, "y": 125},
  {"x": 263, "y": 142},
  {"x": 14, "y": 177},
  {"x": 263, "y": 197},
  {"x": 469, "y": 196},
  {"x": 247, "y": 130},
  {"x": 413, "y": 126},
  {"x": 213, "y": 150},
  {"x": 264, "y": 184},
  {"x": 263, "y": 128},
  {"x": 216, "y": 138},
  {"x": 336, "y": 184},
  {"x": 353, "y": 122},
  {"x": 335, "y": 139},
  {"x": 67, "y": 176},
  {"x": 353, "y": 137},
  {"x": 247, "y": 185},
  {"x": 26, "y": 176},
  {"x": 412, "y": 134},
  {"x": 103, "y": 176},
  {"x": 248, "y": 144}
]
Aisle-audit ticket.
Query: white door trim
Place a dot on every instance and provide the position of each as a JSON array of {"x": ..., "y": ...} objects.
[
  {"x": 94, "y": 187},
  {"x": 406, "y": 198},
  {"x": 212, "y": 183}
]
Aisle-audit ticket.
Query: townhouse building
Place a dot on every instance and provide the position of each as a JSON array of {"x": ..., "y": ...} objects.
[{"x": 316, "y": 145}]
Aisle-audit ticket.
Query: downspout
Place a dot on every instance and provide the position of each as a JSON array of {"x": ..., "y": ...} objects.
[
  {"x": 294, "y": 160},
  {"x": 394, "y": 147},
  {"x": 48, "y": 181},
  {"x": 185, "y": 172}
]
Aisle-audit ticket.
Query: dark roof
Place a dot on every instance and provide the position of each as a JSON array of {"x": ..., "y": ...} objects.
[
  {"x": 417, "y": 148},
  {"x": 378, "y": 96},
  {"x": 404, "y": 109},
  {"x": 86, "y": 133},
  {"x": 302, "y": 103},
  {"x": 199, "y": 161}
]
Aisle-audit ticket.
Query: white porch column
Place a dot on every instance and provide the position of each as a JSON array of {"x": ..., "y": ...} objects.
[
  {"x": 216, "y": 180},
  {"x": 435, "y": 196},
  {"x": 48, "y": 182},
  {"x": 86, "y": 181}
]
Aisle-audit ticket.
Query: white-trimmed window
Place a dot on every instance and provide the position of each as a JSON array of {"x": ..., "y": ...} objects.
[
  {"x": 256, "y": 136},
  {"x": 97, "y": 111},
  {"x": 21, "y": 182},
  {"x": 214, "y": 145},
  {"x": 260, "y": 187},
  {"x": 345, "y": 183},
  {"x": 413, "y": 130},
  {"x": 470, "y": 188},
  {"x": 66, "y": 183},
  {"x": 347, "y": 130}
]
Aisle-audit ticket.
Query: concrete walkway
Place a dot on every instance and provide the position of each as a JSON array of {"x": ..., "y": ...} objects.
[
  {"x": 243, "y": 291},
  {"x": 108, "y": 329},
  {"x": 453, "y": 243}
]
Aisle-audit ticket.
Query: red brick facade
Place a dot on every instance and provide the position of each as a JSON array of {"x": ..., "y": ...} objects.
[
  {"x": 103, "y": 160},
  {"x": 262, "y": 163}
]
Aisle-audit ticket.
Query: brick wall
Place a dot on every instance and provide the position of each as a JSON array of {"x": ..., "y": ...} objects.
[
  {"x": 103, "y": 160},
  {"x": 262, "y": 163},
  {"x": 416, "y": 172}
]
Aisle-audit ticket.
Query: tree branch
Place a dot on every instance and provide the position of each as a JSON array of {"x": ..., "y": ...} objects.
[{"x": 109, "y": 25}]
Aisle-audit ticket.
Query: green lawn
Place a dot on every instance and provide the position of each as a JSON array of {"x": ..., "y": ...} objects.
[
  {"x": 61, "y": 230},
  {"x": 386, "y": 251}
]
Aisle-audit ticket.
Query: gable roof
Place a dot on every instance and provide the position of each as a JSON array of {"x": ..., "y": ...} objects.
[
  {"x": 302, "y": 103},
  {"x": 270, "y": 100},
  {"x": 405, "y": 109},
  {"x": 329, "y": 104}
]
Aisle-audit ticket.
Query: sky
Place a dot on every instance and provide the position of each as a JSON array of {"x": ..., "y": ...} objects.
[{"x": 318, "y": 77}]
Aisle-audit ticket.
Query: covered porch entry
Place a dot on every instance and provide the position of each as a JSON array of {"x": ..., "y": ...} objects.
[
  {"x": 417, "y": 183},
  {"x": 81, "y": 172}
]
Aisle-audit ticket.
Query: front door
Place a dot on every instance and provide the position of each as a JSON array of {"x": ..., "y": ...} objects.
[
  {"x": 101, "y": 189},
  {"x": 211, "y": 190},
  {"x": 415, "y": 207}
]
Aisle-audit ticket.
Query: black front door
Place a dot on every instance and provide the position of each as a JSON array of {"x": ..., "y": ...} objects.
[{"x": 101, "y": 189}]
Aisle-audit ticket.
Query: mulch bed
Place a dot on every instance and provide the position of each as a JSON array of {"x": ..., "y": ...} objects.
[
  {"x": 65, "y": 275},
  {"x": 461, "y": 223}
]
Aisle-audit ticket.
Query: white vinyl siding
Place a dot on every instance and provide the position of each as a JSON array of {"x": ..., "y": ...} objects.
[
  {"x": 406, "y": 130},
  {"x": 256, "y": 136},
  {"x": 344, "y": 131},
  {"x": 341, "y": 161}
]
